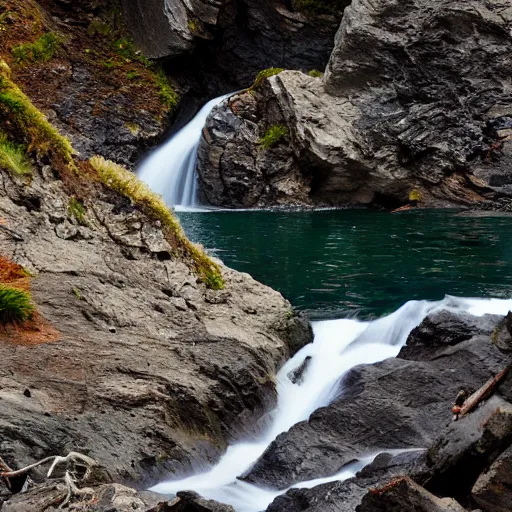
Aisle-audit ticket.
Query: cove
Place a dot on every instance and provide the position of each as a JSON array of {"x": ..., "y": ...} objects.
[{"x": 340, "y": 263}]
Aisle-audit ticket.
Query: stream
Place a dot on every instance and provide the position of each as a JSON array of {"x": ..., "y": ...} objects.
[{"x": 355, "y": 272}]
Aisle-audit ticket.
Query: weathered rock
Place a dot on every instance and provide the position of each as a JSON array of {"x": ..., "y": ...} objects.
[
  {"x": 493, "y": 489},
  {"x": 104, "y": 498},
  {"x": 393, "y": 404},
  {"x": 243, "y": 37},
  {"x": 406, "y": 113},
  {"x": 403, "y": 495},
  {"x": 445, "y": 328},
  {"x": 187, "y": 501},
  {"x": 346, "y": 496},
  {"x": 466, "y": 448},
  {"x": 152, "y": 370}
]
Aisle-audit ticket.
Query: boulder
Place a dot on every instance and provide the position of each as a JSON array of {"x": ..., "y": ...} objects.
[
  {"x": 403, "y": 495},
  {"x": 187, "y": 501},
  {"x": 493, "y": 489},
  {"x": 404, "y": 114}
]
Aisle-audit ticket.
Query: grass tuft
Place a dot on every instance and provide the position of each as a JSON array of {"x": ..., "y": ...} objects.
[
  {"x": 15, "y": 306},
  {"x": 262, "y": 75},
  {"x": 126, "y": 183},
  {"x": 315, "y": 73},
  {"x": 41, "y": 50},
  {"x": 28, "y": 123},
  {"x": 273, "y": 136},
  {"x": 13, "y": 157}
]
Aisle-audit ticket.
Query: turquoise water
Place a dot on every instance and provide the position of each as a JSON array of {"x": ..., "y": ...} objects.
[{"x": 345, "y": 262}]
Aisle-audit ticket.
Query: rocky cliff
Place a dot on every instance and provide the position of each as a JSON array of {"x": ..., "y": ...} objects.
[
  {"x": 135, "y": 349},
  {"x": 414, "y": 108}
]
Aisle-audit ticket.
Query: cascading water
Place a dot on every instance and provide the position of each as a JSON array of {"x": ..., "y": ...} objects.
[
  {"x": 338, "y": 346},
  {"x": 171, "y": 169}
]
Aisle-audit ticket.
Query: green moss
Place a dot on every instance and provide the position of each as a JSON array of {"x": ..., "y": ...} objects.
[
  {"x": 28, "y": 123},
  {"x": 262, "y": 75},
  {"x": 13, "y": 157},
  {"x": 100, "y": 27},
  {"x": 76, "y": 209},
  {"x": 126, "y": 183},
  {"x": 273, "y": 136},
  {"x": 41, "y": 50},
  {"x": 321, "y": 6},
  {"x": 315, "y": 73},
  {"x": 168, "y": 95},
  {"x": 15, "y": 306},
  {"x": 193, "y": 25}
]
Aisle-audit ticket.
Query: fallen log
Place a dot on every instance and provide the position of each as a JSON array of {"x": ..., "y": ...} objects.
[{"x": 479, "y": 395}]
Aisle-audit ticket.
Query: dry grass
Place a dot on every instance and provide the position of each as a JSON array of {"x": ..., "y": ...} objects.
[{"x": 126, "y": 183}]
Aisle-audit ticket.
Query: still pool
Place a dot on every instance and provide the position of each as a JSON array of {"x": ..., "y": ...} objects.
[{"x": 338, "y": 263}]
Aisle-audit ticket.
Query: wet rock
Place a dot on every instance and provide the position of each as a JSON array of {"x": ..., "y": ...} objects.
[
  {"x": 297, "y": 376},
  {"x": 493, "y": 489},
  {"x": 346, "y": 496},
  {"x": 191, "y": 502},
  {"x": 445, "y": 328},
  {"x": 396, "y": 404},
  {"x": 403, "y": 495},
  {"x": 466, "y": 448},
  {"x": 405, "y": 113}
]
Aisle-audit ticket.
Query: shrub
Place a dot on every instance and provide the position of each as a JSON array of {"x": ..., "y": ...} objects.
[
  {"x": 266, "y": 73},
  {"x": 415, "y": 195},
  {"x": 15, "y": 306},
  {"x": 13, "y": 157},
  {"x": 273, "y": 136},
  {"x": 126, "y": 183},
  {"x": 41, "y": 50},
  {"x": 315, "y": 73}
]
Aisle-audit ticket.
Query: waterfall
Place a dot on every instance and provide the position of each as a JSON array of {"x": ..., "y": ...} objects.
[
  {"x": 338, "y": 346},
  {"x": 170, "y": 170}
]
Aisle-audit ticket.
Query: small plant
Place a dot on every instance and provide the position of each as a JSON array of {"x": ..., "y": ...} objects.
[
  {"x": 167, "y": 94},
  {"x": 99, "y": 27},
  {"x": 76, "y": 209},
  {"x": 41, "y": 50},
  {"x": 273, "y": 136},
  {"x": 13, "y": 157},
  {"x": 126, "y": 183},
  {"x": 415, "y": 195},
  {"x": 315, "y": 73},
  {"x": 15, "y": 306},
  {"x": 193, "y": 25},
  {"x": 262, "y": 75},
  {"x": 29, "y": 122}
]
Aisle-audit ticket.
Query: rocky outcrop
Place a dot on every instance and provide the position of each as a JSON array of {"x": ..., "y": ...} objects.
[
  {"x": 394, "y": 404},
  {"x": 152, "y": 370},
  {"x": 405, "y": 113},
  {"x": 241, "y": 36}
]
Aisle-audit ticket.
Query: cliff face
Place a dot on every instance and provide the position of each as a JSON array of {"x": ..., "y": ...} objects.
[
  {"x": 241, "y": 37},
  {"x": 414, "y": 106},
  {"x": 141, "y": 351}
]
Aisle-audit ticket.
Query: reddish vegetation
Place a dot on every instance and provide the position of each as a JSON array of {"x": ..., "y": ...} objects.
[
  {"x": 35, "y": 331},
  {"x": 385, "y": 488}
]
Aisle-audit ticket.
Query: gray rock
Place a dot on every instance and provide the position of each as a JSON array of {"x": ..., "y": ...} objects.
[
  {"x": 403, "y": 495},
  {"x": 405, "y": 113},
  {"x": 187, "y": 501},
  {"x": 151, "y": 371},
  {"x": 493, "y": 489}
]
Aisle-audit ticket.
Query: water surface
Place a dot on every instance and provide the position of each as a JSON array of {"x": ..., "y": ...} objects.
[{"x": 343, "y": 262}]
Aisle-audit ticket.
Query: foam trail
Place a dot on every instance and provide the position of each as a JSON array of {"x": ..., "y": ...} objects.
[
  {"x": 338, "y": 346},
  {"x": 170, "y": 170}
]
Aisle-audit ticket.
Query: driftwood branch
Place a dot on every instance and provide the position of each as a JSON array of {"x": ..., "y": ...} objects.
[{"x": 479, "y": 395}]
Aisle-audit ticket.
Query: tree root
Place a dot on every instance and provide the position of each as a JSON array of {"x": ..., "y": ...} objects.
[{"x": 70, "y": 478}]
